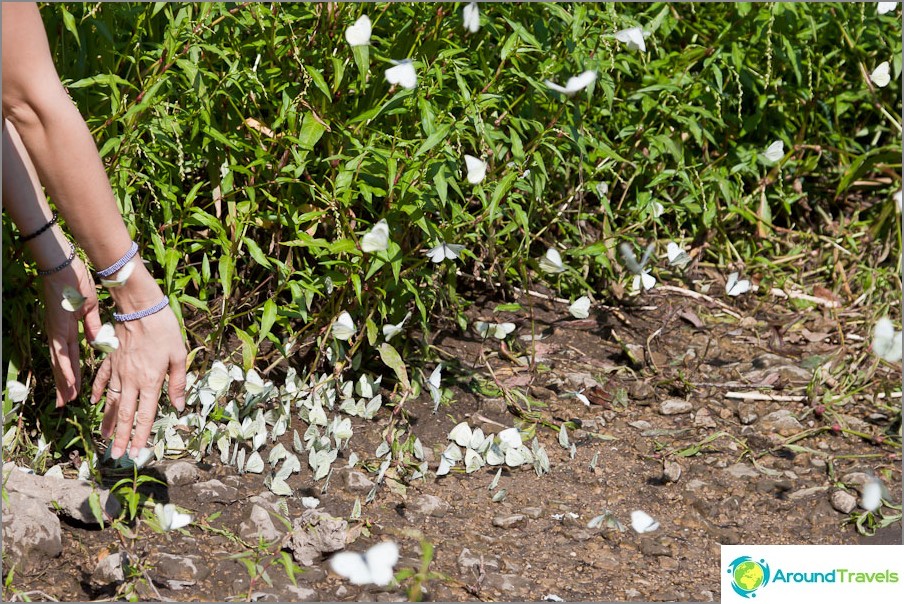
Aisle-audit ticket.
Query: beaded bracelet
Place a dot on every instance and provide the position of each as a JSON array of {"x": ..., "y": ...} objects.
[
  {"x": 133, "y": 249},
  {"x": 63, "y": 265},
  {"x": 147, "y": 312},
  {"x": 30, "y": 236}
]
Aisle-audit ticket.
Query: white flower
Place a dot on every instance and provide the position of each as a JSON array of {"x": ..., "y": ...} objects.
[
  {"x": 359, "y": 33},
  {"x": 632, "y": 38},
  {"x": 574, "y": 84},
  {"x": 471, "y": 17}
]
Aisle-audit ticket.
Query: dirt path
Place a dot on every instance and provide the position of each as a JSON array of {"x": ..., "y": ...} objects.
[{"x": 661, "y": 434}]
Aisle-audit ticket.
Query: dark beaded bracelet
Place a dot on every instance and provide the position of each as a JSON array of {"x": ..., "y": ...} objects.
[
  {"x": 63, "y": 265},
  {"x": 43, "y": 229}
]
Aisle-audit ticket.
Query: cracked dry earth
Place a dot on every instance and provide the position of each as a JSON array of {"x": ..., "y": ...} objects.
[{"x": 664, "y": 433}]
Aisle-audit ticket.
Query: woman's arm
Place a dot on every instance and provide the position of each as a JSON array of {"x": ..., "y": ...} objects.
[{"x": 65, "y": 156}]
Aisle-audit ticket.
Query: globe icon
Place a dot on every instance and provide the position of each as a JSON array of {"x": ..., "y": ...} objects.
[{"x": 748, "y": 575}]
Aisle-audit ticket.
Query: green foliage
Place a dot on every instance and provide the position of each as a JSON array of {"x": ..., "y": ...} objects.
[{"x": 250, "y": 148}]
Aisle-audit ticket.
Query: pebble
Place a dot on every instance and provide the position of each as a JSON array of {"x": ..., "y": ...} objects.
[
  {"x": 179, "y": 568},
  {"x": 843, "y": 501},
  {"x": 532, "y": 512},
  {"x": 641, "y": 424},
  {"x": 654, "y": 547},
  {"x": 31, "y": 532},
  {"x": 468, "y": 562},
  {"x": 704, "y": 419},
  {"x": 641, "y": 390},
  {"x": 109, "y": 570},
  {"x": 671, "y": 471},
  {"x": 357, "y": 482},
  {"x": 180, "y": 473},
  {"x": 428, "y": 505},
  {"x": 215, "y": 491},
  {"x": 807, "y": 492},
  {"x": 856, "y": 479},
  {"x": 505, "y": 583},
  {"x": 315, "y": 533},
  {"x": 260, "y": 525},
  {"x": 674, "y": 406},
  {"x": 580, "y": 534},
  {"x": 742, "y": 470},
  {"x": 509, "y": 521},
  {"x": 747, "y": 412},
  {"x": 781, "y": 421}
]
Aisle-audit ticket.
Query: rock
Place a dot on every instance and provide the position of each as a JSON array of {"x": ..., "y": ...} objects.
[
  {"x": 794, "y": 374},
  {"x": 180, "y": 473},
  {"x": 843, "y": 501},
  {"x": 742, "y": 470},
  {"x": 268, "y": 500},
  {"x": 215, "y": 491},
  {"x": 767, "y": 360},
  {"x": 747, "y": 412},
  {"x": 782, "y": 422},
  {"x": 66, "y": 495},
  {"x": 671, "y": 471},
  {"x": 186, "y": 569},
  {"x": 509, "y": 521},
  {"x": 532, "y": 512},
  {"x": 580, "y": 380},
  {"x": 468, "y": 562},
  {"x": 31, "y": 532},
  {"x": 109, "y": 570},
  {"x": 704, "y": 419},
  {"x": 654, "y": 547},
  {"x": 807, "y": 492},
  {"x": 675, "y": 406},
  {"x": 260, "y": 525},
  {"x": 341, "y": 592},
  {"x": 580, "y": 534},
  {"x": 301, "y": 594},
  {"x": 428, "y": 505},
  {"x": 641, "y": 424},
  {"x": 357, "y": 482},
  {"x": 856, "y": 479},
  {"x": 505, "y": 583},
  {"x": 316, "y": 533},
  {"x": 641, "y": 390}
]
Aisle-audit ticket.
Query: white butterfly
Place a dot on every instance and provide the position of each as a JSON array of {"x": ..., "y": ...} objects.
[
  {"x": 254, "y": 463},
  {"x": 106, "y": 340},
  {"x": 390, "y": 330},
  {"x": 733, "y": 287},
  {"x": 495, "y": 455},
  {"x": 642, "y": 522},
  {"x": 471, "y": 17},
  {"x": 775, "y": 151},
  {"x": 552, "y": 262},
  {"x": 72, "y": 299},
  {"x": 359, "y": 33},
  {"x": 574, "y": 84},
  {"x": 377, "y": 239},
  {"x": 170, "y": 518},
  {"x": 402, "y": 73},
  {"x": 278, "y": 486},
  {"x": 887, "y": 341},
  {"x": 871, "y": 498},
  {"x": 218, "y": 378},
  {"x": 142, "y": 457},
  {"x": 121, "y": 277},
  {"x": 344, "y": 327},
  {"x": 434, "y": 384},
  {"x": 477, "y": 169},
  {"x": 886, "y": 7},
  {"x": 580, "y": 308},
  {"x": 254, "y": 384},
  {"x": 898, "y": 198},
  {"x": 676, "y": 255},
  {"x": 497, "y": 330},
  {"x": 509, "y": 438},
  {"x": 633, "y": 38},
  {"x": 374, "y": 566},
  {"x": 461, "y": 434},
  {"x": 656, "y": 209},
  {"x": 880, "y": 75},
  {"x": 445, "y": 251},
  {"x": 642, "y": 277},
  {"x": 17, "y": 391},
  {"x": 473, "y": 461}
]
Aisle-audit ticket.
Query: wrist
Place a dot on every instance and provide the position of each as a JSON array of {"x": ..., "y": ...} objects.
[
  {"x": 50, "y": 249},
  {"x": 140, "y": 292}
]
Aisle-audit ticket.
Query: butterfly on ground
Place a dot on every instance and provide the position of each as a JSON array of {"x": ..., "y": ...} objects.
[{"x": 641, "y": 276}]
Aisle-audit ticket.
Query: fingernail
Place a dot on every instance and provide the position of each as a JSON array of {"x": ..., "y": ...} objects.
[{"x": 116, "y": 453}]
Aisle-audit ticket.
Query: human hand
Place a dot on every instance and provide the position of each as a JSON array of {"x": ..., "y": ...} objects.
[
  {"x": 149, "y": 349},
  {"x": 62, "y": 326}
]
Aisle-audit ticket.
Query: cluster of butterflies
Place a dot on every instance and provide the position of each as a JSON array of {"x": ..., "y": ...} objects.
[{"x": 482, "y": 449}]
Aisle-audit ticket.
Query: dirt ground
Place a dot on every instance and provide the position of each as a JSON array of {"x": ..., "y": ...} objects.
[{"x": 665, "y": 433}]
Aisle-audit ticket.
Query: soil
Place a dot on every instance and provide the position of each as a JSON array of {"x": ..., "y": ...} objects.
[{"x": 721, "y": 471}]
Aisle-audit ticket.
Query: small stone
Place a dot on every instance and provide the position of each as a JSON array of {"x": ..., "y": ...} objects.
[
  {"x": 532, "y": 512},
  {"x": 341, "y": 592},
  {"x": 31, "y": 532},
  {"x": 215, "y": 491},
  {"x": 180, "y": 473},
  {"x": 856, "y": 479},
  {"x": 694, "y": 484},
  {"x": 793, "y": 374},
  {"x": 506, "y": 583},
  {"x": 747, "y": 412},
  {"x": 654, "y": 547},
  {"x": 260, "y": 525},
  {"x": 641, "y": 424},
  {"x": 358, "y": 482},
  {"x": 428, "y": 505},
  {"x": 468, "y": 562},
  {"x": 641, "y": 390},
  {"x": 109, "y": 570},
  {"x": 180, "y": 568},
  {"x": 580, "y": 380},
  {"x": 671, "y": 471},
  {"x": 302, "y": 594},
  {"x": 782, "y": 422},
  {"x": 580, "y": 534},
  {"x": 315, "y": 533},
  {"x": 807, "y": 492},
  {"x": 742, "y": 470},
  {"x": 675, "y": 406},
  {"x": 703, "y": 418},
  {"x": 508, "y": 521},
  {"x": 843, "y": 501}
]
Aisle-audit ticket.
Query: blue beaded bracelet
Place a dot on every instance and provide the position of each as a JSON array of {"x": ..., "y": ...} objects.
[
  {"x": 147, "y": 312},
  {"x": 133, "y": 249}
]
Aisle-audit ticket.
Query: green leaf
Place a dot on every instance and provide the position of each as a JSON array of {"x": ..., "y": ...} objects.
[
  {"x": 318, "y": 81},
  {"x": 69, "y": 23},
  {"x": 311, "y": 131},
  {"x": 268, "y": 318},
  {"x": 393, "y": 360},
  {"x": 96, "y": 509}
]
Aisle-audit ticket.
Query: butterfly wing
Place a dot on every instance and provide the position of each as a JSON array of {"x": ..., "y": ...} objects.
[
  {"x": 451, "y": 251},
  {"x": 402, "y": 74},
  {"x": 359, "y": 33},
  {"x": 471, "y": 17},
  {"x": 580, "y": 308},
  {"x": 381, "y": 559},
  {"x": 642, "y": 522},
  {"x": 775, "y": 151},
  {"x": 871, "y": 498},
  {"x": 352, "y": 566},
  {"x": 377, "y": 239},
  {"x": 552, "y": 85},
  {"x": 647, "y": 280},
  {"x": 880, "y": 75},
  {"x": 579, "y": 82},
  {"x": 552, "y": 261},
  {"x": 477, "y": 169}
]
